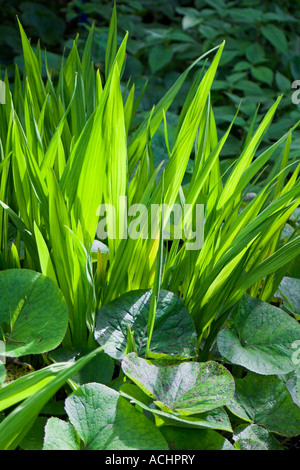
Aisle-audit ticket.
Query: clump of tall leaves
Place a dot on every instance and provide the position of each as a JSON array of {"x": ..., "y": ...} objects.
[{"x": 156, "y": 308}]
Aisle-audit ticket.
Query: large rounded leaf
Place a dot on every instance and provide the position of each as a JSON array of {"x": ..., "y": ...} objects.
[
  {"x": 266, "y": 401},
  {"x": 187, "y": 388},
  {"x": 33, "y": 312},
  {"x": 261, "y": 338},
  {"x": 174, "y": 333},
  {"x": 104, "y": 421}
]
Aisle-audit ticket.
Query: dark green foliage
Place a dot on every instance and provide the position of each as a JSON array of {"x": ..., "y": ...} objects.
[{"x": 260, "y": 60}]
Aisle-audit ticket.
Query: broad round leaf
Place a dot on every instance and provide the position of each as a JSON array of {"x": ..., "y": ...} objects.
[
  {"x": 267, "y": 402},
  {"x": 261, "y": 338},
  {"x": 187, "y": 388},
  {"x": 173, "y": 335},
  {"x": 33, "y": 312},
  {"x": 106, "y": 421}
]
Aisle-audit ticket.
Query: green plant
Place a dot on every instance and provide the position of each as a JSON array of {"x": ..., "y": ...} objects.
[
  {"x": 260, "y": 60},
  {"x": 261, "y": 57},
  {"x": 68, "y": 147}
]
